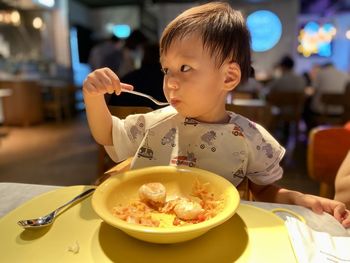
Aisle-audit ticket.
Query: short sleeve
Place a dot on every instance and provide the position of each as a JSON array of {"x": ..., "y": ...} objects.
[
  {"x": 264, "y": 154},
  {"x": 127, "y": 135}
]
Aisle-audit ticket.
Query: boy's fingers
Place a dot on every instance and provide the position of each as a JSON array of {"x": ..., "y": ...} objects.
[
  {"x": 339, "y": 213},
  {"x": 104, "y": 79},
  {"x": 91, "y": 89},
  {"x": 126, "y": 86},
  {"x": 115, "y": 82},
  {"x": 346, "y": 220},
  {"x": 99, "y": 85}
]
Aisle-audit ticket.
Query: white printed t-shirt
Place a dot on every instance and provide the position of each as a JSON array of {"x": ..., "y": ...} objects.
[{"x": 235, "y": 150}]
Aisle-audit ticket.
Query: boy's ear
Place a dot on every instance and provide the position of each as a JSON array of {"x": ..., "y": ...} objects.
[{"x": 232, "y": 76}]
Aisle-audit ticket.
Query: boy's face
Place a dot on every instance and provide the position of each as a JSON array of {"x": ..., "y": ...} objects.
[{"x": 193, "y": 84}]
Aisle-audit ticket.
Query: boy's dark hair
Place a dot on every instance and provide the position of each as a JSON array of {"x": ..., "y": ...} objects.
[{"x": 223, "y": 30}]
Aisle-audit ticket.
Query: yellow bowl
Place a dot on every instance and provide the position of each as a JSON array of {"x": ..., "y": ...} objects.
[{"x": 178, "y": 181}]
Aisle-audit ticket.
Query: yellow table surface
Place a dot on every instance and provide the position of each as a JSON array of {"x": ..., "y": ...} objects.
[{"x": 251, "y": 235}]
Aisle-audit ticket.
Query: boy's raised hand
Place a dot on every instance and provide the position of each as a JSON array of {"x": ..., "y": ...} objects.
[{"x": 102, "y": 81}]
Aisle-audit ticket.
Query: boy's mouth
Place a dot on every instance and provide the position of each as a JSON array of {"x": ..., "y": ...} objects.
[{"x": 174, "y": 102}]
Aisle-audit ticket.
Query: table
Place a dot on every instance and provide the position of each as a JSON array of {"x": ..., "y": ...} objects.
[
  {"x": 265, "y": 238},
  {"x": 249, "y": 102},
  {"x": 5, "y": 92},
  {"x": 13, "y": 195}
]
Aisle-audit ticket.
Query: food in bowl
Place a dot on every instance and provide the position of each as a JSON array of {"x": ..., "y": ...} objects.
[
  {"x": 200, "y": 206},
  {"x": 153, "y": 194},
  {"x": 122, "y": 189}
]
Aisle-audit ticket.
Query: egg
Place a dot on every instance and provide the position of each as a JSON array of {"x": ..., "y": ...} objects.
[
  {"x": 188, "y": 210},
  {"x": 153, "y": 194}
]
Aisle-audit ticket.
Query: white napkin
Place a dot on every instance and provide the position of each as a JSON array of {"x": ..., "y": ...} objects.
[{"x": 311, "y": 246}]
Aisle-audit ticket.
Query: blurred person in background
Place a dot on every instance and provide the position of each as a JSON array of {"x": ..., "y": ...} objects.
[
  {"x": 101, "y": 54},
  {"x": 328, "y": 79},
  {"x": 132, "y": 52},
  {"x": 147, "y": 79},
  {"x": 252, "y": 86},
  {"x": 325, "y": 79},
  {"x": 287, "y": 79}
]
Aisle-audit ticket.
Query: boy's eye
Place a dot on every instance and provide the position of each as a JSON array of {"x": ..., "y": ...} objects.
[
  {"x": 185, "y": 68},
  {"x": 164, "y": 70}
]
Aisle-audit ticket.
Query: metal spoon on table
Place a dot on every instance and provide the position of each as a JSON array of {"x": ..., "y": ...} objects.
[{"x": 48, "y": 219}]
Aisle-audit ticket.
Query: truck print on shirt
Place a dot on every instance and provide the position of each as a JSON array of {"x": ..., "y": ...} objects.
[
  {"x": 169, "y": 137},
  {"x": 137, "y": 129},
  {"x": 189, "y": 160},
  {"x": 145, "y": 151},
  {"x": 266, "y": 148},
  {"x": 190, "y": 121},
  {"x": 208, "y": 137}
]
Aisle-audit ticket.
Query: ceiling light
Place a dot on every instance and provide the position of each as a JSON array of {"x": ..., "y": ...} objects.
[{"x": 37, "y": 23}]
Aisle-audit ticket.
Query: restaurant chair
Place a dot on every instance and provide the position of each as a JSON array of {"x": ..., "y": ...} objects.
[
  {"x": 328, "y": 146},
  {"x": 243, "y": 95},
  {"x": 331, "y": 100},
  {"x": 58, "y": 102},
  {"x": 104, "y": 162},
  {"x": 346, "y": 114},
  {"x": 287, "y": 107}
]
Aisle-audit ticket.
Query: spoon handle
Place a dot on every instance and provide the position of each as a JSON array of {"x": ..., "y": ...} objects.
[
  {"x": 145, "y": 96},
  {"x": 78, "y": 197}
]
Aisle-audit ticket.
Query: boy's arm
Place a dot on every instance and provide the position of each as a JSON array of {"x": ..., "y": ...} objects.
[
  {"x": 276, "y": 194},
  {"x": 342, "y": 182},
  {"x": 98, "y": 83},
  {"x": 99, "y": 119}
]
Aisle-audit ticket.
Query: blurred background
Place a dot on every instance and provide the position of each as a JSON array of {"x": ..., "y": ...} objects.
[{"x": 48, "y": 47}]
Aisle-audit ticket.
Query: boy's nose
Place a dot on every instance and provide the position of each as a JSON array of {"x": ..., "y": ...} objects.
[{"x": 172, "y": 83}]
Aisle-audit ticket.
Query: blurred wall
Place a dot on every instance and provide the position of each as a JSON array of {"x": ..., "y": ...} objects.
[
  {"x": 287, "y": 11},
  {"x": 98, "y": 19},
  {"x": 79, "y": 14}
]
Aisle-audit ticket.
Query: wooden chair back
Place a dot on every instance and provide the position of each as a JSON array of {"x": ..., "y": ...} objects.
[
  {"x": 58, "y": 103},
  {"x": 327, "y": 148},
  {"x": 243, "y": 95},
  {"x": 289, "y": 103},
  {"x": 340, "y": 100},
  {"x": 123, "y": 111},
  {"x": 286, "y": 106},
  {"x": 259, "y": 113},
  {"x": 331, "y": 100},
  {"x": 346, "y": 115}
]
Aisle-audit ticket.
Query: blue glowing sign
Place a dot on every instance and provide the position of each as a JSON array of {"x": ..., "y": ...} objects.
[
  {"x": 121, "y": 31},
  {"x": 265, "y": 29}
]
